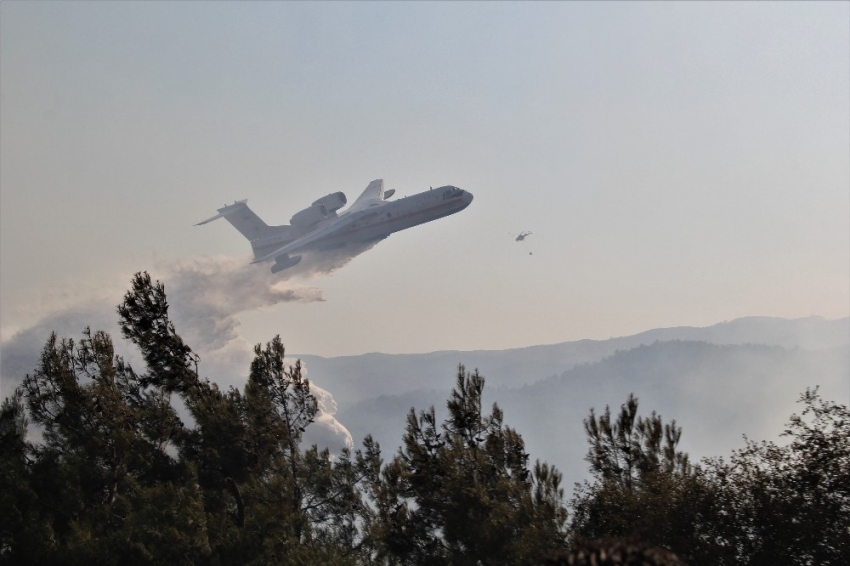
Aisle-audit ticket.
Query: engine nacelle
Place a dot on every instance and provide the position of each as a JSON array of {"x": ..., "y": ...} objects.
[
  {"x": 309, "y": 216},
  {"x": 333, "y": 201}
]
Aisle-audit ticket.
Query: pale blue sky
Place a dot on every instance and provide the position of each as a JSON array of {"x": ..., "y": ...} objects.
[{"x": 679, "y": 163}]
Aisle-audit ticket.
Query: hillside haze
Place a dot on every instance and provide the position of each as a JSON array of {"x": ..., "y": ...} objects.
[
  {"x": 719, "y": 382},
  {"x": 355, "y": 378}
]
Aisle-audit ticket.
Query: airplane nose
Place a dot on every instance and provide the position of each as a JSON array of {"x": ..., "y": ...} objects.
[{"x": 467, "y": 197}]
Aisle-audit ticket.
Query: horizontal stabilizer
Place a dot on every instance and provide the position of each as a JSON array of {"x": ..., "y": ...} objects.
[
  {"x": 224, "y": 211},
  {"x": 216, "y": 217}
]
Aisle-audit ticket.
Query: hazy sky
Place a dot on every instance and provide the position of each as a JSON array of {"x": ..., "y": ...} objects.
[{"x": 679, "y": 163}]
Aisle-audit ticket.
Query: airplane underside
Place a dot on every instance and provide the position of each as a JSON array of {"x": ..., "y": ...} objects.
[
  {"x": 282, "y": 262},
  {"x": 331, "y": 247},
  {"x": 365, "y": 239}
]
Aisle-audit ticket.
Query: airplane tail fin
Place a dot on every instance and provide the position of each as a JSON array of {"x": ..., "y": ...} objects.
[
  {"x": 242, "y": 218},
  {"x": 251, "y": 226}
]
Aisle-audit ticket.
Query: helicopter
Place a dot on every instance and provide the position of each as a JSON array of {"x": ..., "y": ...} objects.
[{"x": 522, "y": 236}]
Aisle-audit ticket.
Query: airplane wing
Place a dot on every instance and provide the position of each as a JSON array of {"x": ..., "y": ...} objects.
[
  {"x": 304, "y": 241},
  {"x": 373, "y": 193}
]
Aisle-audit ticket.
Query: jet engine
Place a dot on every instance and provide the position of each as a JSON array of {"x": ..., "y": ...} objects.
[
  {"x": 309, "y": 216},
  {"x": 333, "y": 201}
]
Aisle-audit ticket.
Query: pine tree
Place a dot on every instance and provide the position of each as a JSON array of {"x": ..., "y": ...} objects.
[
  {"x": 643, "y": 486},
  {"x": 463, "y": 493},
  {"x": 265, "y": 498},
  {"x": 103, "y": 458}
]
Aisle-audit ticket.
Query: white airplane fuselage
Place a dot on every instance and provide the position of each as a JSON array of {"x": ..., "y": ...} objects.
[
  {"x": 317, "y": 228},
  {"x": 382, "y": 219}
]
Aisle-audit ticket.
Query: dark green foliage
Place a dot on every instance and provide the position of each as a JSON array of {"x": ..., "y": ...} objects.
[
  {"x": 769, "y": 504},
  {"x": 644, "y": 488},
  {"x": 463, "y": 493},
  {"x": 613, "y": 552},
  {"x": 265, "y": 500},
  {"x": 144, "y": 320},
  {"x": 20, "y": 524},
  {"x": 788, "y": 504},
  {"x": 90, "y": 490},
  {"x": 116, "y": 477},
  {"x": 632, "y": 449}
]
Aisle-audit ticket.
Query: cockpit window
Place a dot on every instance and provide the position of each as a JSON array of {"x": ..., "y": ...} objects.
[{"x": 451, "y": 192}]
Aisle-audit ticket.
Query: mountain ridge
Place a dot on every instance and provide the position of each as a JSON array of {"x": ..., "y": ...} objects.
[
  {"x": 351, "y": 378},
  {"x": 715, "y": 392}
]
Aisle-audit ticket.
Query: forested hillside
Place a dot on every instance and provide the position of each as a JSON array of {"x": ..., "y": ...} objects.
[
  {"x": 721, "y": 392},
  {"x": 355, "y": 378}
]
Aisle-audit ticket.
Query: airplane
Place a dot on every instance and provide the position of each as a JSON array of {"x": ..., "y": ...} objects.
[{"x": 321, "y": 227}]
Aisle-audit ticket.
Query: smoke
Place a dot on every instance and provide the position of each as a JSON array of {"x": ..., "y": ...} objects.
[
  {"x": 326, "y": 431},
  {"x": 19, "y": 354},
  {"x": 205, "y": 295}
]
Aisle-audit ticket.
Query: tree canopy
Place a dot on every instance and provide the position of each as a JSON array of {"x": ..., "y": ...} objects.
[
  {"x": 117, "y": 476},
  {"x": 768, "y": 504}
]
